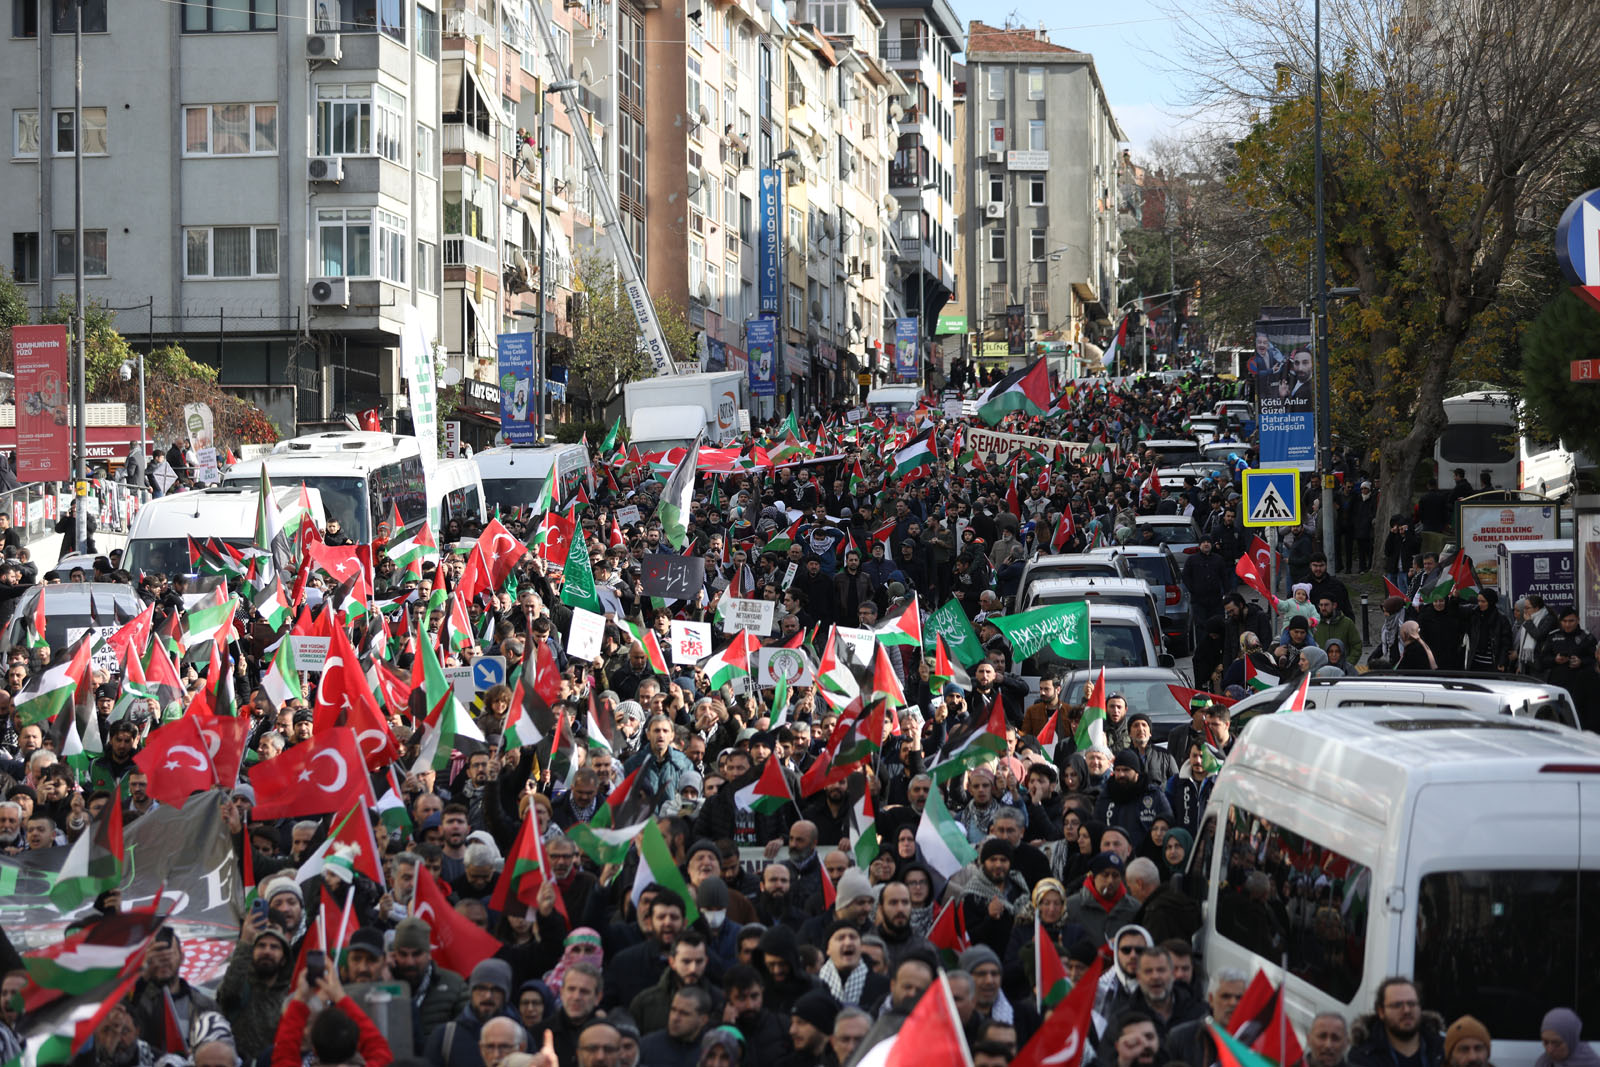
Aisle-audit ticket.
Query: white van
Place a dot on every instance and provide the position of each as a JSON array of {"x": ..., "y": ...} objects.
[
  {"x": 1548, "y": 467},
  {"x": 363, "y": 476},
  {"x": 1480, "y": 436},
  {"x": 159, "y": 540},
  {"x": 514, "y": 477},
  {"x": 1457, "y": 849},
  {"x": 894, "y": 401},
  {"x": 455, "y": 493}
]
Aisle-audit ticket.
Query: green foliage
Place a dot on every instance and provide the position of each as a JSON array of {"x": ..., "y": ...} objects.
[
  {"x": 570, "y": 433},
  {"x": 104, "y": 348},
  {"x": 13, "y": 304},
  {"x": 605, "y": 352},
  {"x": 1567, "y": 329}
]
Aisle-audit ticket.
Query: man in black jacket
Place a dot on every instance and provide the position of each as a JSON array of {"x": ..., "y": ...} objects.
[
  {"x": 1208, "y": 578},
  {"x": 1399, "y": 1031},
  {"x": 1241, "y": 617},
  {"x": 1324, "y": 584}
]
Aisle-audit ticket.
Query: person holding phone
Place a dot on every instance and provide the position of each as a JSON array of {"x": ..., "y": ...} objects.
[{"x": 340, "y": 1031}]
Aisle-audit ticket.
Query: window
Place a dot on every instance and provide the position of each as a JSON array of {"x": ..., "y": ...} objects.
[
  {"x": 714, "y": 286},
  {"x": 25, "y": 257},
  {"x": 427, "y": 267},
  {"x": 997, "y": 245},
  {"x": 389, "y": 127},
  {"x": 94, "y": 254},
  {"x": 1538, "y": 930},
  {"x": 797, "y": 307},
  {"x": 230, "y": 130},
  {"x": 796, "y": 223},
  {"x": 831, "y": 16},
  {"x": 427, "y": 150},
  {"x": 427, "y": 33},
  {"x": 25, "y": 133},
  {"x": 1036, "y": 190},
  {"x": 1036, "y": 135},
  {"x": 997, "y": 188},
  {"x": 24, "y": 18},
  {"x": 344, "y": 242},
  {"x": 230, "y": 252},
  {"x": 1036, "y": 245},
  {"x": 229, "y": 16},
  {"x": 344, "y": 120},
  {"x": 747, "y": 224},
  {"x": 66, "y": 19},
  {"x": 393, "y": 237},
  {"x": 1326, "y": 937},
  {"x": 997, "y": 83},
  {"x": 392, "y": 19},
  {"x": 94, "y": 131},
  {"x": 697, "y": 265},
  {"x": 997, "y": 136},
  {"x": 1035, "y": 83}
]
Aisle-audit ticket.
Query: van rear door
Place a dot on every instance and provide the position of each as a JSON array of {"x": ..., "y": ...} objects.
[{"x": 1491, "y": 909}]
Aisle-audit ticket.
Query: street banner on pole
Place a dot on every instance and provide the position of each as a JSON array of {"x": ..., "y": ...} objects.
[
  {"x": 518, "y": 396},
  {"x": 44, "y": 431},
  {"x": 1285, "y": 367}
]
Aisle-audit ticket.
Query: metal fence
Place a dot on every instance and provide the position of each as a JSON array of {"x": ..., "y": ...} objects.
[{"x": 35, "y": 508}]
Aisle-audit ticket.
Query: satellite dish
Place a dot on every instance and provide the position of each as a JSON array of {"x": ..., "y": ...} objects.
[
  {"x": 450, "y": 376},
  {"x": 705, "y": 116}
]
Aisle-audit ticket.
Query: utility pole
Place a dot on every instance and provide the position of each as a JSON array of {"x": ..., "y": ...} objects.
[
  {"x": 80, "y": 395},
  {"x": 545, "y": 104},
  {"x": 1324, "y": 420}
]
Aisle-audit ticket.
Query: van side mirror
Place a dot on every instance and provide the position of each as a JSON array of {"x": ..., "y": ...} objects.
[{"x": 1165, "y": 659}]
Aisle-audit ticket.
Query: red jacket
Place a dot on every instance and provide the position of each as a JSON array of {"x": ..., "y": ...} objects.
[{"x": 374, "y": 1048}]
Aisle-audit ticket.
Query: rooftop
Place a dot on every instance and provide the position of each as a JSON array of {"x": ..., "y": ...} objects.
[{"x": 985, "y": 39}]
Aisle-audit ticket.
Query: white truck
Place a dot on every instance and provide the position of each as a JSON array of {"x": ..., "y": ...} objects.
[{"x": 670, "y": 412}]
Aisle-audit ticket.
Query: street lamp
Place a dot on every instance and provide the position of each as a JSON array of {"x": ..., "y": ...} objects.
[
  {"x": 560, "y": 86},
  {"x": 1324, "y": 420},
  {"x": 126, "y": 372}
]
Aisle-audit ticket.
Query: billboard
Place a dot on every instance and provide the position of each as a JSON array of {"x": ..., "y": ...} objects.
[
  {"x": 44, "y": 432},
  {"x": 1016, "y": 329},
  {"x": 1285, "y": 371},
  {"x": 1484, "y": 527},
  {"x": 771, "y": 242},
  {"x": 907, "y": 358},
  {"x": 518, "y": 396},
  {"x": 760, "y": 339}
]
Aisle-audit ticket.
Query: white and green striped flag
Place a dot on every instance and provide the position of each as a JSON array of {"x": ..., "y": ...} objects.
[
  {"x": 280, "y": 680},
  {"x": 657, "y": 866},
  {"x": 942, "y": 839},
  {"x": 209, "y": 622},
  {"x": 677, "y": 499}
]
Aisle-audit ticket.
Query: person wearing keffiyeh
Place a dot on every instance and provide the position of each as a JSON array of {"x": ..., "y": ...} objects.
[
  {"x": 845, "y": 974},
  {"x": 581, "y": 944}
]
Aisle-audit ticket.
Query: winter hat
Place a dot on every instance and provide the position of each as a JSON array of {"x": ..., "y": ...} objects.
[
  {"x": 281, "y": 884},
  {"x": 1138, "y": 716},
  {"x": 853, "y": 885},
  {"x": 342, "y": 863},
  {"x": 274, "y": 930},
  {"x": 368, "y": 939},
  {"x": 494, "y": 973},
  {"x": 1083, "y": 951},
  {"x": 727, "y": 1037},
  {"x": 818, "y": 1009},
  {"x": 414, "y": 935},
  {"x": 1128, "y": 758},
  {"x": 996, "y": 846},
  {"x": 703, "y": 845},
  {"x": 1463, "y": 1028},
  {"x": 242, "y": 790},
  {"x": 1105, "y": 861},
  {"x": 1298, "y": 623},
  {"x": 976, "y": 957},
  {"x": 712, "y": 895}
]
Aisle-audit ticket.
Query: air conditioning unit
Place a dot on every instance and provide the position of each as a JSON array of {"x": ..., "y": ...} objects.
[
  {"x": 866, "y": 271},
  {"x": 324, "y": 46},
  {"x": 330, "y": 292},
  {"x": 996, "y": 210},
  {"x": 853, "y": 265},
  {"x": 997, "y": 157},
  {"x": 325, "y": 169}
]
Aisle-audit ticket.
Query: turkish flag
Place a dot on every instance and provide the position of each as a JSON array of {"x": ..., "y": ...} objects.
[
  {"x": 344, "y": 698},
  {"x": 176, "y": 761},
  {"x": 225, "y": 737},
  {"x": 318, "y": 777},
  {"x": 1061, "y": 1040},
  {"x": 372, "y": 419},
  {"x": 497, "y": 553},
  {"x": 1249, "y": 575},
  {"x": 1261, "y": 552},
  {"x": 457, "y": 944},
  {"x": 557, "y": 537}
]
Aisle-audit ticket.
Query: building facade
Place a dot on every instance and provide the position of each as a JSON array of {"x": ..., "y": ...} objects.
[{"x": 1042, "y": 263}]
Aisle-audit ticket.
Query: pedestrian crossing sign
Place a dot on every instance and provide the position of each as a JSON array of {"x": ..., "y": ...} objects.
[{"x": 1272, "y": 497}]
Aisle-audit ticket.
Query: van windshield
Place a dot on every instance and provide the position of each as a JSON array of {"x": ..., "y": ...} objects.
[
  {"x": 1506, "y": 945},
  {"x": 344, "y": 499},
  {"x": 167, "y": 555},
  {"x": 510, "y": 494}
]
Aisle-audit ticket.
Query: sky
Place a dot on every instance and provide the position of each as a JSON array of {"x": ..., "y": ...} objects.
[{"x": 1134, "y": 44}]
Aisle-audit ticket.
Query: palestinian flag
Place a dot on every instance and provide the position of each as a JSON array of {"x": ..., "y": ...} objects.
[
  {"x": 779, "y": 707},
  {"x": 42, "y": 699},
  {"x": 768, "y": 794},
  {"x": 858, "y": 480},
  {"x": 1115, "y": 348},
  {"x": 391, "y": 806},
  {"x": 272, "y": 605},
  {"x": 1256, "y": 679},
  {"x": 1390, "y": 589},
  {"x": 1461, "y": 580},
  {"x": 1297, "y": 702},
  {"x": 677, "y": 499},
  {"x": 864, "y": 844},
  {"x": 920, "y": 453},
  {"x": 735, "y": 661},
  {"x": 949, "y": 934},
  {"x": 271, "y": 541},
  {"x": 75, "y": 984},
  {"x": 1231, "y": 1052},
  {"x": 946, "y": 670},
  {"x": 857, "y": 736},
  {"x": 526, "y": 869},
  {"x": 1047, "y": 732},
  {"x": 1049, "y": 976},
  {"x": 351, "y": 845},
  {"x": 614, "y": 435},
  {"x": 1092, "y": 727},
  {"x": 1026, "y": 390},
  {"x": 281, "y": 680},
  {"x": 657, "y": 867},
  {"x": 410, "y": 554},
  {"x": 781, "y": 542},
  {"x": 36, "y": 634},
  {"x": 970, "y": 745},
  {"x": 454, "y": 732},
  {"x": 608, "y": 833},
  {"x": 885, "y": 685},
  {"x": 94, "y": 863},
  {"x": 942, "y": 839},
  {"x": 209, "y": 622},
  {"x": 903, "y": 627},
  {"x": 600, "y": 731}
]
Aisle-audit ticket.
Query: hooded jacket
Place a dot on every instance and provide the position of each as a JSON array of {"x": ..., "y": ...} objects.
[
  {"x": 1369, "y": 1042},
  {"x": 253, "y": 1005},
  {"x": 780, "y": 941}
]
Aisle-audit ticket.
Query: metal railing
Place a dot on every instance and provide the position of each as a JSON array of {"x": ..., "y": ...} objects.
[
  {"x": 459, "y": 137},
  {"x": 470, "y": 252},
  {"x": 35, "y": 508},
  {"x": 895, "y": 49}
]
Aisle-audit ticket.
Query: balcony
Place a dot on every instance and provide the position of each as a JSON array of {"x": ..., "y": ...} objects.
[
  {"x": 910, "y": 249},
  {"x": 906, "y": 178},
  {"x": 459, "y": 137},
  {"x": 461, "y": 251},
  {"x": 898, "y": 50},
  {"x": 468, "y": 24}
]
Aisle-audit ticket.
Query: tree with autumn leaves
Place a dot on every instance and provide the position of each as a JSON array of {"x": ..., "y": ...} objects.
[{"x": 1451, "y": 140}]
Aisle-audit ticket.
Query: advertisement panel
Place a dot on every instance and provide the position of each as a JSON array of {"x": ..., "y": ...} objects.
[
  {"x": 1542, "y": 567},
  {"x": 200, "y": 425},
  {"x": 760, "y": 339},
  {"x": 1016, "y": 329},
  {"x": 1586, "y": 531},
  {"x": 906, "y": 356},
  {"x": 517, "y": 393},
  {"x": 1484, "y": 527},
  {"x": 1286, "y": 393},
  {"x": 44, "y": 433},
  {"x": 771, "y": 242}
]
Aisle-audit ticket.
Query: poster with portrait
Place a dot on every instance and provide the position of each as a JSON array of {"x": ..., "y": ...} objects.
[{"x": 1284, "y": 368}]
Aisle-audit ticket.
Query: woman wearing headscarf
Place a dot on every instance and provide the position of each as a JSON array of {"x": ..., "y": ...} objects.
[
  {"x": 1561, "y": 1032},
  {"x": 1049, "y": 900},
  {"x": 1415, "y": 654},
  {"x": 1395, "y": 612},
  {"x": 1488, "y": 634},
  {"x": 1339, "y": 656},
  {"x": 1175, "y": 854}
]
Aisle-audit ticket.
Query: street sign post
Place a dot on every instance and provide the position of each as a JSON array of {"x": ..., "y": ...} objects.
[
  {"x": 1272, "y": 497},
  {"x": 1586, "y": 370}
]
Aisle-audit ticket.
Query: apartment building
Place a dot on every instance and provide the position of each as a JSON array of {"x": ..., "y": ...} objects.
[
  {"x": 1042, "y": 265},
  {"x": 261, "y": 185},
  {"x": 919, "y": 42}
]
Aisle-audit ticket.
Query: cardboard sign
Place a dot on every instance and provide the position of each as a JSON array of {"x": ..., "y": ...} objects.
[
  {"x": 691, "y": 641},
  {"x": 628, "y": 516},
  {"x": 788, "y": 575},
  {"x": 673, "y": 577},
  {"x": 791, "y": 664},
  {"x": 105, "y": 657},
  {"x": 309, "y": 652},
  {"x": 588, "y": 630},
  {"x": 743, "y": 614},
  {"x": 858, "y": 645}
]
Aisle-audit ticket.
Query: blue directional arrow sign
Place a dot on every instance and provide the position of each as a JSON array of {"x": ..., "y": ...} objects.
[
  {"x": 1272, "y": 497},
  {"x": 488, "y": 672}
]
